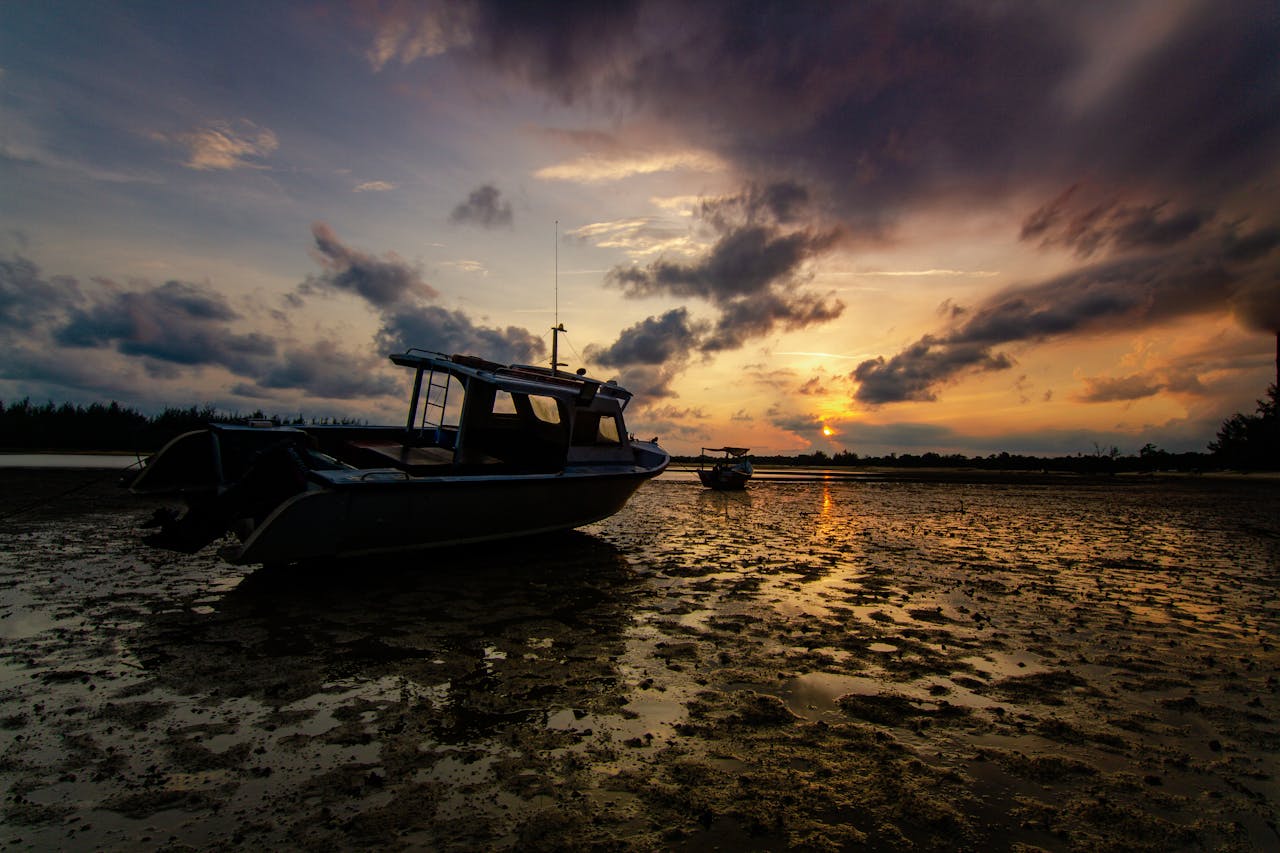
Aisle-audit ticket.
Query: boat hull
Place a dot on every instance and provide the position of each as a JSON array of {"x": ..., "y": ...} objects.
[
  {"x": 724, "y": 480},
  {"x": 372, "y": 517}
]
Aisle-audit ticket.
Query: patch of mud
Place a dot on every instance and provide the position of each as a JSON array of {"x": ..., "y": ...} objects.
[{"x": 815, "y": 666}]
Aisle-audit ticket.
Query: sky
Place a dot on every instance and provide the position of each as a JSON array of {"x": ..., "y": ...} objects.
[{"x": 959, "y": 227}]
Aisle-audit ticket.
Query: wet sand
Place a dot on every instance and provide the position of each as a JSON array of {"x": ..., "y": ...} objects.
[{"x": 887, "y": 665}]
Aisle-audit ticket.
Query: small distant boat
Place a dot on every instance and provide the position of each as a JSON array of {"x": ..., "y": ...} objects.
[
  {"x": 492, "y": 452},
  {"x": 728, "y": 474}
]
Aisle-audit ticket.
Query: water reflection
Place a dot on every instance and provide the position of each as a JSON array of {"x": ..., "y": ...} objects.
[{"x": 467, "y": 641}]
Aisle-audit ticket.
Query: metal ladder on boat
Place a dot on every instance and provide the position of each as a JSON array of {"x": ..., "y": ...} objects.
[{"x": 437, "y": 398}]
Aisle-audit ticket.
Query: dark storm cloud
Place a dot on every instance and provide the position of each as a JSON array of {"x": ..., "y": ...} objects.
[
  {"x": 395, "y": 289},
  {"x": 1257, "y": 301},
  {"x": 380, "y": 281},
  {"x": 745, "y": 260},
  {"x": 872, "y": 102},
  {"x": 167, "y": 330},
  {"x": 325, "y": 371},
  {"x": 913, "y": 373},
  {"x": 759, "y": 314},
  {"x": 484, "y": 207},
  {"x": 882, "y": 106},
  {"x": 1199, "y": 112},
  {"x": 779, "y": 202},
  {"x": 1128, "y": 293},
  {"x": 863, "y": 113},
  {"x": 651, "y": 382},
  {"x": 26, "y": 298},
  {"x": 440, "y": 330},
  {"x": 557, "y": 46},
  {"x": 176, "y": 323},
  {"x": 751, "y": 275},
  {"x": 1088, "y": 226},
  {"x": 167, "y": 327},
  {"x": 655, "y": 340}
]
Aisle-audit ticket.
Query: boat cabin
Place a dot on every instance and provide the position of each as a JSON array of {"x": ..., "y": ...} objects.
[{"x": 468, "y": 414}]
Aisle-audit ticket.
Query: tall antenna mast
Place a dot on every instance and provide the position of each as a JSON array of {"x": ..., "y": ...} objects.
[
  {"x": 556, "y": 363},
  {"x": 556, "y": 247}
]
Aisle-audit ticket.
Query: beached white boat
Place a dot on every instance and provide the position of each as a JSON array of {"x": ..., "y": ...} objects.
[
  {"x": 730, "y": 473},
  {"x": 488, "y": 452}
]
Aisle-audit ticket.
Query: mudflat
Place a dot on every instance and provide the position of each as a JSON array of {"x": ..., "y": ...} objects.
[{"x": 887, "y": 664}]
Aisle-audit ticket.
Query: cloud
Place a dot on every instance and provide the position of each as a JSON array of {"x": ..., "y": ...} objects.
[
  {"x": 1208, "y": 274},
  {"x": 752, "y": 255},
  {"x": 380, "y": 281},
  {"x": 596, "y": 168},
  {"x": 484, "y": 207},
  {"x": 161, "y": 329},
  {"x": 1102, "y": 389},
  {"x": 676, "y": 413},
  {"x": 639, "y": 236},
  {"x": 651, "y": 382},
  {"x": 781, "y": 202},
  {"x": 176, "y": 323},
  {"x": 437, "y": 329},
  {"x": 759, "y": 314},
  {"x": 169, "y": 330},
  {"x": 560, "y": 51},
  {"x": 846, "y": 119},
  {"x": 226, "y": 145},
  {"x": 374, "y": 187},
  {"x": 813, "y": 387},
  {"x": 750, "y": 275},
  {"x": 413, "y": 31},
  {"x": 653, "y": 341},
  {"x": 1086, "y": 226},
  {"x": 396, "y": 289},
  {"x": 746, "y": 260},
  {"x": 913, "y": 373},
  {"x": 27, "y": 299},
  {"x": 883, "y": 108},
  {"x": 323, "y": 370}
]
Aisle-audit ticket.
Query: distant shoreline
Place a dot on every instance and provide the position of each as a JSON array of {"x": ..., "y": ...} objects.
[{"x": 17, "y": 460}]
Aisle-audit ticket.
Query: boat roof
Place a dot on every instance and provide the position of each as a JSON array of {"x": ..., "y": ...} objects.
[
  {"x": 521, "y": 378},
  {"x": 732, "y": 451}
]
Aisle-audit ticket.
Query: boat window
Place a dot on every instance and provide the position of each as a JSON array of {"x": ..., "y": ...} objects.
[
  {"x": 595, "y": 428},
  {"x": 503, "y": 404},
  {"x": 608, "y": 432},
  {"x": 442, "y": 400},
  {"x": 545, "y": 408}
]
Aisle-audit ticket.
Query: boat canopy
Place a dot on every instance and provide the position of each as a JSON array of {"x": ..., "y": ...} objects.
[
  {"x": 516, "y": 378},
  {"x": 732, "y": 451}
]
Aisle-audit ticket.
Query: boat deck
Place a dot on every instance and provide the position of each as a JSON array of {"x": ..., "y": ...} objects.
[{"x": 416, "y": 461}]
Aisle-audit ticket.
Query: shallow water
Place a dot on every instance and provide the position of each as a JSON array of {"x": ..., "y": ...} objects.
[{"x": 811, "y": 665}]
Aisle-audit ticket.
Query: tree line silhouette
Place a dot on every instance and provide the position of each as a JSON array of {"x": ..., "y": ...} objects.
[
  {"x": 111, "y": 426},
  {"x": 1245, "y": 442}
]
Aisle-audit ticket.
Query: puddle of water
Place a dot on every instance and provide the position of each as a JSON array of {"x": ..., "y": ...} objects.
[
  {"x": 815, "y": 694},
  {"x": 998, "y": 665}
]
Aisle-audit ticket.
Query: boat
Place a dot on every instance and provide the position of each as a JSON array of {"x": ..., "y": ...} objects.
[
  {"x": 488, "y": 452},
  {"x": 728, "y": 474}
]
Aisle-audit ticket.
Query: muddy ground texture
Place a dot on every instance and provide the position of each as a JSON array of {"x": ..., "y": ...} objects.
[{"x": 848, "y": 665}]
